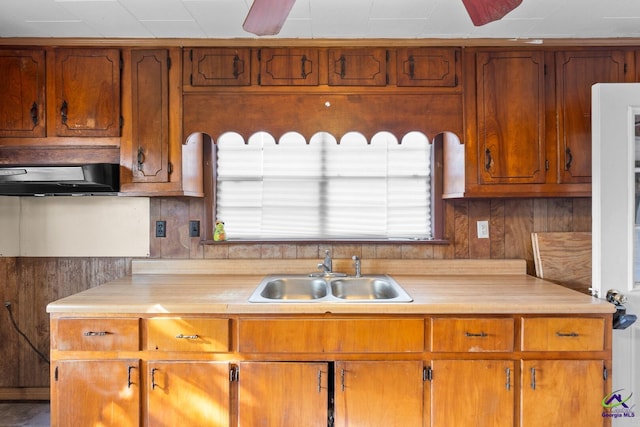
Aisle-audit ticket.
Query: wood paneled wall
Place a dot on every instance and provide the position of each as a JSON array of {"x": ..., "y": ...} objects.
[
  {"x": 511, "y": 222},
  {"x": 31, "y": 283}
]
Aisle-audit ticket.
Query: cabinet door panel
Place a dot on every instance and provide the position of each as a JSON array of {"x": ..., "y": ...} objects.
[
  {"x": 96, "y": 392},
  {"x": 87, "y": 88},
  {"x": 511, "y": 117},
  {"x": 22, "y": 109},
  {"x": 570, "y": 391},
  {"x": 478, "y": 393},
  {"x": 219, "y": 67},
  {"x": 150, "y": 124},
  {"x": 379, "y": 394},
  {"x": 357, "y": 67},
  {"x": 289, "y": 67},
  {"x": 189, "y": 394},
  {"x": 283, "y": 394},
  {"x": 433, "y": 67},
  {"x": 577, "y": 72}
]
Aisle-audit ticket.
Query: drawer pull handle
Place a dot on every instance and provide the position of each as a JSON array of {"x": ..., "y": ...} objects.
[
  {"x": 570, "y": 334},
  {"x": 95, "y": 333},
  {"x": 471, "y": 334},
  {"x": 188, "y": 337}
]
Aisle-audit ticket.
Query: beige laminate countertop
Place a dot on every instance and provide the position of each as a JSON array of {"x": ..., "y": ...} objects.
[{"x": 228, "y": 294}]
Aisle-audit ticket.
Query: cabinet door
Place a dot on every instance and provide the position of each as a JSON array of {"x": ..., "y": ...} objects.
[
  {"x": 150, "y": 120},
  {"x": 473, "y": 393},
  {"x": 570, "y": 391},
  {"x": 102, "y": 392},
  {"x": 511, "y": 117},
  {"x": 87, "y": 92},
  {"x": 188, "y": 394},
  {"x": 283, "y": 394},
  {"x": 22, "y": 87},
  {"x": 357, "y": 67},
  {"x": 379, "y": 394},
  {"x": 576, "y": 73},
  {"x": 288, "y": 67},
  {"x": 435, "y": 67},
  {"x": 219, "y": 67}
]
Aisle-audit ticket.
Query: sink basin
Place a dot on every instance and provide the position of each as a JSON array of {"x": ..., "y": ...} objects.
[
  {"x": 329, "y": 288},
  {"x": 364, "y": 288},
  {"x": 295, "y": 288}
]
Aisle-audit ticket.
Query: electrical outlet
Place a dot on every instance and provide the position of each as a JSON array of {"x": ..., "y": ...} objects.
[
  {"x": 194, "y": 228},
  {"x": 161, "y": 228},
  {"x": 483, "y": 229}
]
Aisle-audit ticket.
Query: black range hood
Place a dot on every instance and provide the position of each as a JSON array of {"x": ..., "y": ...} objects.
[{"x": 82, "y": 180}]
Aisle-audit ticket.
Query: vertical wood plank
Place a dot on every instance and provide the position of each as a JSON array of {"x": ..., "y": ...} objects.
[
  {"x": 560, "y": 214},
  {"x": 518, "y": 227},
  {"x": 177, "y": 243},
  {"x": 540, "y": 214},
  {"x": 496, "y": 229},
  {"x": 461, "y": 232},
  {"x": 9, "y": 350},
  {"x": 582, "y": 214}
]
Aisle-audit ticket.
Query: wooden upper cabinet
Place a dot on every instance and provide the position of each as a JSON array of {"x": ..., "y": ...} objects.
[
  {"x": 218, "y": 67},
  {"x": 22, "y": 108},
  {"x": 435, "y": 67},
  {"x": 357, "y": 67},
  {"x": 87, "y": 92},
  {"x": 150, "y": 121},
  {"x": 511, "y": 117},
  {"x": 288, "y": 67},
  {"x": 576, "y": 72}
]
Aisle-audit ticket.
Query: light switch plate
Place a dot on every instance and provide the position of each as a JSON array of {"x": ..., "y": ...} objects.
[{"x": 483, "y": 229}]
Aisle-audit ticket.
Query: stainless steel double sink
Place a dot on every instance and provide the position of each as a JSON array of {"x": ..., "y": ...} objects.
[{"x": 329, "y": 288}]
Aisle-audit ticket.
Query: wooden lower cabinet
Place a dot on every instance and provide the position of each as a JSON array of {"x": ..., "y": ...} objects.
[
  {"x": 182, "y": 393},
  {"x": 331, "y": 371},
  {"x": 102, "y": 393},
  {"x": 282, "y": 394},
  {"x": 379, "y": 393},
  {"x": 570, "y": 391},
  {"x": 477, "y": 393}
]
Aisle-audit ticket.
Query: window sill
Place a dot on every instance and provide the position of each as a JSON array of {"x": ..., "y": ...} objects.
[{"x": 328, "y": 241}]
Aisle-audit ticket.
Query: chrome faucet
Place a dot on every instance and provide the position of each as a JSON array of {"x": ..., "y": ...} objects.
[
  {"x": 356, "y": 265},
  {"x": 326, "y": 266}
]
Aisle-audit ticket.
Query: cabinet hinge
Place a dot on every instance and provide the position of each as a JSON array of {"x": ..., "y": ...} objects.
[
  {"x": 234, "y": 373},
  {"x": 386, "y": 53},
  {"x": 168, "y": 62},
  {"x": 545, "y": 69},
  {"x": 546, "y": 165},
  {"x": 259, "y": 54},
  {"x": 427, "y": 374},
  {"x": 191, "y": 55},
  {"x": 605, "y": 373},
  {"x": 121, "y": 62},
  {"x": 625, "y": 68},
  {"x": 55, "y": 374},
  {"x": 170, "y": 168},
  {"x": 121, "y": 122}
]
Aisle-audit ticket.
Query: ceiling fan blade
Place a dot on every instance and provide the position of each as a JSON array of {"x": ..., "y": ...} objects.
[
  {"x": 266, "y": 17},
  {"x": 484, "y": 11}
]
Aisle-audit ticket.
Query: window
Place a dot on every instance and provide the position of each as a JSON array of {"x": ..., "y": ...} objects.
[{"x": 321, "y": 189}]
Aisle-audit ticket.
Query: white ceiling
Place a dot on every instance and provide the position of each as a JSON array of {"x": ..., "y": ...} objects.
[{"x": 533, "y": 19}]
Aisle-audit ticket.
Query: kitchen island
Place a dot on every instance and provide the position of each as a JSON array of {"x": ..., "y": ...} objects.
[{"x": 178, "y": 343}]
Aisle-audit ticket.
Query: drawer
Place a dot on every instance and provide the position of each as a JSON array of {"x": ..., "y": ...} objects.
[
  {"x": 187, "y": 334},
  {"x": 90, "y": 334},
  {"x": 472, "y": 335},
  {"x": 332, "y": 335},
  {"x": 563, "y": 334}
]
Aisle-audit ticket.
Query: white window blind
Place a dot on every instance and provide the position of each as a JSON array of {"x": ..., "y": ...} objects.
[{"x": 294, "y": 189}]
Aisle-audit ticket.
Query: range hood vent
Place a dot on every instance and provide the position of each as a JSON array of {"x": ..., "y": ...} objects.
[{"x": 84, "y": 180}]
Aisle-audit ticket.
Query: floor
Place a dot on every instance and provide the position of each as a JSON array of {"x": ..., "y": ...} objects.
[{"x": 27, "y": 414}]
